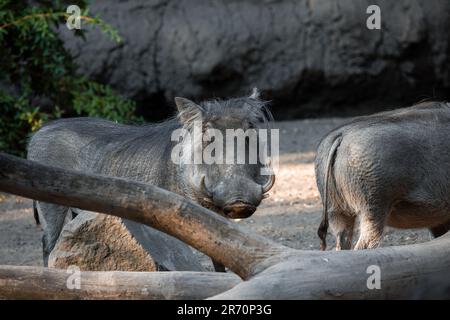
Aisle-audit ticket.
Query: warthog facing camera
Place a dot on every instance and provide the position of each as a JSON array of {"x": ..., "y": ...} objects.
[{"x": 143, "y": 153}]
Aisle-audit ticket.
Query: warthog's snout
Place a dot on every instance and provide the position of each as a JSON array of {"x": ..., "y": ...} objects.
[
  {"x": 236, "y": 197},
  {"x": 239, "y": 210}
]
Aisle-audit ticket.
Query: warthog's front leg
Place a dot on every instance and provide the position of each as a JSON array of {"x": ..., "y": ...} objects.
[{"x": 52, "y": 217}]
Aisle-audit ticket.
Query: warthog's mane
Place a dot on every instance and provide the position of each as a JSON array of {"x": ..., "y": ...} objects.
[{"x": 253, "y": 111}]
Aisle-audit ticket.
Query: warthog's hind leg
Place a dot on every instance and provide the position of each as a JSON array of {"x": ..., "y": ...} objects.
[
  {"x": 372, "y": 223},
  {"x": 342, "y": 225}
]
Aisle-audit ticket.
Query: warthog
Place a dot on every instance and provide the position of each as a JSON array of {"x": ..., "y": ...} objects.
[
  {"x": 144, "y": 153},
  {"x": 390, "y": 168}
]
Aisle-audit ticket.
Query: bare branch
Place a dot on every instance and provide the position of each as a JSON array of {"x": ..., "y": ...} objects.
[
  {"x": 232, "y": 245},
  {"x": 418, "y": 271},
  {"x": 45, "y": 283}
]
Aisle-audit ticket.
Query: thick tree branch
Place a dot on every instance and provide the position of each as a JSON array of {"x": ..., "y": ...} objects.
[
  {"x": 419, "y": 271},
  {"x": 272, "y": 271},
  {"x": 226, "y": 242},
  {"x": 45, "y": 283}
]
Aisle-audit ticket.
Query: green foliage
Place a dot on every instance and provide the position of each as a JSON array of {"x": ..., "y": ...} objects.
[
  {"x": 38, "y": 79},
  {"x": 96, "y": 100}
]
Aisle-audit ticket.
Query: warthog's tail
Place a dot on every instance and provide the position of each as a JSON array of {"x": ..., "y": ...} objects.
[
  {"x": 35, "y": 213},
  {"x": 323, "y": 228}
]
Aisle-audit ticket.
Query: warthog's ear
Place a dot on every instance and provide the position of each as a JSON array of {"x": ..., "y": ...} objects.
[
  {"x": 255, "y": 94},
  {"x": 188, "y": 110}
]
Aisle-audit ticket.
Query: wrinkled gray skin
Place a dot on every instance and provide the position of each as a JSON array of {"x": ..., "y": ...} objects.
[
  {"x": 391, "y": 168},
  {"x": 143, "y": 153}
]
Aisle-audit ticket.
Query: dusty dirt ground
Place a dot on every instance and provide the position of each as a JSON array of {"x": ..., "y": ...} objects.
[{"x": 290, "y": 215}]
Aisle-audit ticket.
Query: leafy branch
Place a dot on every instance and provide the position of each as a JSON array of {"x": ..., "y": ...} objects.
[
  {"x": 106, "y": 28},
  {"x": 39, "y": 80}
]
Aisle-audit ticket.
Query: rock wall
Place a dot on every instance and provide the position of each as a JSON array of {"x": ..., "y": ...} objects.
[{"x": 310, "y": 57}]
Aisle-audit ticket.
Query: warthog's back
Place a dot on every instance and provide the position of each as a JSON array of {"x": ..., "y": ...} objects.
[
  {"x": 101, "y": 146},
  {"x": 417, "y": 131},
  {"x": 406, "y": 151},
  {"x": 389, "y": 168},
  {"x": 66, "y": 143}
]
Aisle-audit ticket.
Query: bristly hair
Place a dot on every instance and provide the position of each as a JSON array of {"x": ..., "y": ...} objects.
[
  {"x": 255, "y": 111},
  {"x": 251, "y": 108}
]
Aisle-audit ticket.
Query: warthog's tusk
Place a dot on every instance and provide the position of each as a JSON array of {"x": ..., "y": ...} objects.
[
  {"x": 203, "y": 187},
  {"x": 269, "y": 184}
]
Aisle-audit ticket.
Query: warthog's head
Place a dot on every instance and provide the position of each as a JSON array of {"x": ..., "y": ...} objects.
[{"x": 223, "y": 153}]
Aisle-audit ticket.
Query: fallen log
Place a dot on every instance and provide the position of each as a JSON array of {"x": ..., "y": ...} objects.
[
  {"x": 47, "y": 283},
  {"x": 272, "y": 271},
  {"x": 419, "y": 271},
  {"x": 226, "y": 242}
]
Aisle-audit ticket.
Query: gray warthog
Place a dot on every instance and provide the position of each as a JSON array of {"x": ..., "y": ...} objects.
[
  {"x": 391, "y": 168},
  {"x": 144, "y": 153}
]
